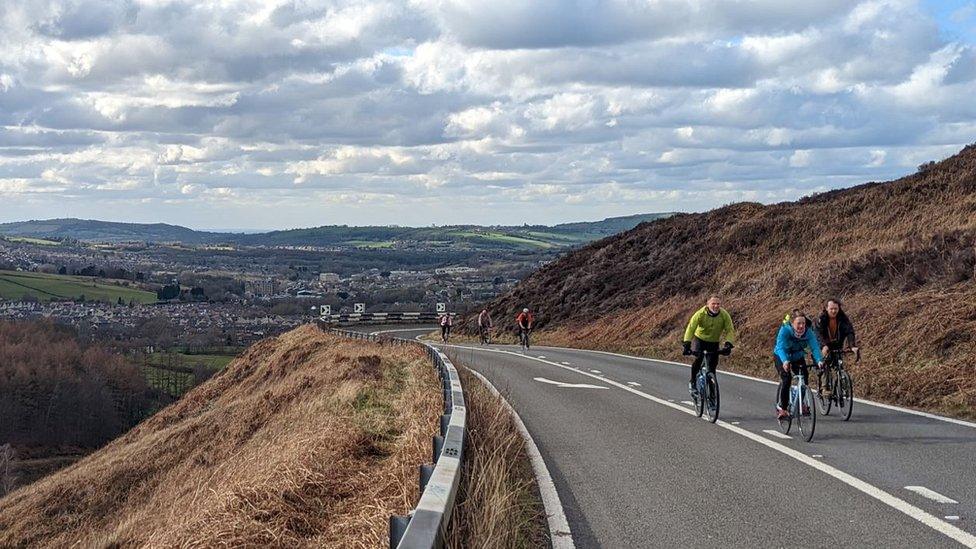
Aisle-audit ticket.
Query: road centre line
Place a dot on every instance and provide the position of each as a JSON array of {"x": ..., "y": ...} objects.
[
  {"x": 761, "y": 380},
  {"x": 937, "y": 524}
]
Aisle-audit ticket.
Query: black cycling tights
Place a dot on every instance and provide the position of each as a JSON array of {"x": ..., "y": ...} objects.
[{"x": 711, "y": 347}]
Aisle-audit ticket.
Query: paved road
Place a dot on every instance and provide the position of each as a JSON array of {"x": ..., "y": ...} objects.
[{"x": 634, "y": 468}]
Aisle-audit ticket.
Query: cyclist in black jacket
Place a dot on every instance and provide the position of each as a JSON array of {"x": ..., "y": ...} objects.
[{"x": 835, "y": 328}]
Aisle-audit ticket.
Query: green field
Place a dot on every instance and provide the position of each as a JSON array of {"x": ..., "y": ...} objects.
[
  {"x": 373, "y": 245},
  {"x": 14, "y": 285},
  {"x": 212, "y": 362},
  {"x": 505, "y": 238},
  {"x": 29, "y": 240}
]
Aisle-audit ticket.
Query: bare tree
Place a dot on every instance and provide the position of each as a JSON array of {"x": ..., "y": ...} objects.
[{"x": 8, "y": 480}]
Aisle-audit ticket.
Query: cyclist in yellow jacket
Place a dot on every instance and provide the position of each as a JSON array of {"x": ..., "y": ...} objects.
[{"x": 705, "y": 331}]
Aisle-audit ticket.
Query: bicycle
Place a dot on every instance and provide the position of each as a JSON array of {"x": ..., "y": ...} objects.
[
  {"x": 801, "y": 400},
  {"x": 485, "y": 334},
  {"x": 838, "y": 384},
  {"x": 524, "y": 338},
  {"x": 706, "y": 393}
]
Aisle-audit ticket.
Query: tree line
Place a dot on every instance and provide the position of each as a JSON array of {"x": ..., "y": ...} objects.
[{"x": 56, "y": 392}]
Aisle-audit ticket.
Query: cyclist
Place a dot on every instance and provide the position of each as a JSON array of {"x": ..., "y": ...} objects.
[
  {"x": 792, "y": 343},
  {"x": 704, "y": 332},
  {"x": 834, "y": 329},
  {"x": 446, "y": 323},
  {"x": 524, "y": 321},
  {"x": 484, "y": 324}
]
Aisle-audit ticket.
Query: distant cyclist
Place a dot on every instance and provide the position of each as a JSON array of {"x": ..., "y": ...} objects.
[
  {"x": 793, "y": 342},
  {"x": 446, "y": 323},
  {"x": 705, "y": 331},
  {"x": 484, "y": 325},
  {"x": 835, "y": 329},
  {"x": 524, "y": 321}
]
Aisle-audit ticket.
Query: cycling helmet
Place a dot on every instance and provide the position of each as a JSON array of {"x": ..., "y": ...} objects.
[{"x": 525, "y": 310}]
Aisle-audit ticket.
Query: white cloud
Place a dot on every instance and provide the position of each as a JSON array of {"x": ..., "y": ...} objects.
[{"x": 545, "y": 110}]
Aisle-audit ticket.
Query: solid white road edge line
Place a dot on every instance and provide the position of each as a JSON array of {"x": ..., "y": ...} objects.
[
  {"x": 559, "y": 533},
  {"x": 744, "y": 376},
  {"x": 937, "y": 524},
  {"x": 931, "y": 494},
  {"x": 777, "y": 434}
]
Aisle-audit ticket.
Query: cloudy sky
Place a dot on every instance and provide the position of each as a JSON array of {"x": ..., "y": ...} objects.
[{"x": 282, "y": 113}]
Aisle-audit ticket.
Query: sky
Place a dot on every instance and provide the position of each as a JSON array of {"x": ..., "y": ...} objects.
[{"x": 277, "y": 114}]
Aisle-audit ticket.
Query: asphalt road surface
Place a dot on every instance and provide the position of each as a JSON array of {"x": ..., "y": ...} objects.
[{"x": 634, "y": 468}]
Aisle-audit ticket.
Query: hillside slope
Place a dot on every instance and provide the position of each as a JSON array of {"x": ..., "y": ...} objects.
[
  {"x": 305, "y": 440},
  {"x": 902, "y": 256}
]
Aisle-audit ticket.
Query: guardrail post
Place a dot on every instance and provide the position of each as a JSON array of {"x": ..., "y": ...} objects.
[
  {"x": 438, "y": 444},
  {"x": 398, "y": 525},
  {"x": 426, "y": 470}
]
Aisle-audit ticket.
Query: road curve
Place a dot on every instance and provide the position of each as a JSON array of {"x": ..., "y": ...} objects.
[{"x": 634, "y": 469}]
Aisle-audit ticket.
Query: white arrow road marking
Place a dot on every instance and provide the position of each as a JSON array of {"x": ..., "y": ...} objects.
[
  {"x": 952, "y": 517},
  {"x": 776, "y": 434},
  {"x": 570, "y": 385},
  {"x": 931, "y": 494}
]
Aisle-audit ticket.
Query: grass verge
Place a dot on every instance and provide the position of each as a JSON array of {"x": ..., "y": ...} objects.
[{"x": 499, "y": 504}]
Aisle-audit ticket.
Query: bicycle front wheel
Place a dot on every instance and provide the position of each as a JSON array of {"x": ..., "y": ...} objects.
[
  {"x": 711, "y": 397},
  {"x": 845, "y": 395},
  {"x": 806, "y": 419}
]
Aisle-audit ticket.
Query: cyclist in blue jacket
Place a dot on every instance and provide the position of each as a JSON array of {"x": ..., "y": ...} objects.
[{"x": 793, "y": 342}]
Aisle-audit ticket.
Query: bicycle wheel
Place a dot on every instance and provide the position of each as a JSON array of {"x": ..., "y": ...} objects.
[
  {"x": 806, "y": 424},
  {"x": 711, "y": 397},
  {"x": 845, "y": 395},
  {"x": 824, "y": 385}
]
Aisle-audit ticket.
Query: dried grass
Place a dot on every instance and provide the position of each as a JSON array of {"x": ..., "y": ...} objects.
[
  {"x": 499, "y": 506},
  {"x": 305, "y": 440}
]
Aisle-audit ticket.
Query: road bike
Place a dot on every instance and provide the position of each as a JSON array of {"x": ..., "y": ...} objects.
[
  {"x": 485, "y": 332},
  {"x": 834, "y": 385},
  {"x": 524, "y": 338},
  {"x": 706, "y": 394},
  {"x": 802, "y": 409}
]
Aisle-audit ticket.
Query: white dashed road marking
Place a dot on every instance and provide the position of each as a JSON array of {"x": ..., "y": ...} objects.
[
  {"x": 931, "y": 494},
  {"x": 569, "y": 385},
  {"x": 776, "y": 434}
]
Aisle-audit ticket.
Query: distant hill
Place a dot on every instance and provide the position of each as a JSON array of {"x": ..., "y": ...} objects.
[
  {"x": 104, "y": 231},
  {"x": 902, "y": 256},
  {"x": 512, "y": 237}
]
